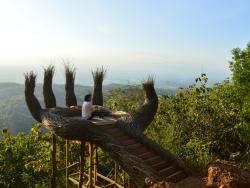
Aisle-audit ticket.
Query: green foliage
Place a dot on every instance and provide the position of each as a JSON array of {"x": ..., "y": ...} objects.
[
  {"x": 208, "y": 119},
  {"x": 198, "y": 123},
  {"x": 105, "y": 163},
  {"x": 240, "y": 67},
  {"x": 125, "y": 99},
  {"x": 25, "y": 159}
]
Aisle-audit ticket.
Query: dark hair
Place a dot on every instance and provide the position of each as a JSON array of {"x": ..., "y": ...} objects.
[{"x": 87, "y": 97}]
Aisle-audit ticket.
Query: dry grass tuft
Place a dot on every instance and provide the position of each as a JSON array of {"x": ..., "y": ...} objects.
[
  {"x": 49, "y": 97},
  {"x": 70, "y": 72},
  {"x": 99, "y": 74},
  {"x": 49, "y": 73},
  {"x": 148, "y": 83},
  {"x": 30, "y": 82}
]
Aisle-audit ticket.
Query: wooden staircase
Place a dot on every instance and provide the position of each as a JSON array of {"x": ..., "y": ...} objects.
[{"x": 167, "y": 169}]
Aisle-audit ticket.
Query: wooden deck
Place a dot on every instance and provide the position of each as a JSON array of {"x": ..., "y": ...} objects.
[
  {"x": 107, "y": 120},
  {"x": 104, "y": 121},
  {"x": 166, "y": 168}
]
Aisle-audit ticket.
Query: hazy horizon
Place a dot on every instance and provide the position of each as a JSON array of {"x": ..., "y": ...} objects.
[
  {"x": 173, "y": 40},
  {"x": 164, "y": 78}
]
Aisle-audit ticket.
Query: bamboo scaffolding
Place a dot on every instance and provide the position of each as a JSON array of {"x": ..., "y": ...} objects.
[
  {"x": 81, "y": 164},
  {"x": 66, "y": 164}
]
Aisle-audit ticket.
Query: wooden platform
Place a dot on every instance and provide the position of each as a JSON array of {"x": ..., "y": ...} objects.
[
  {"x": 103, "y": 121},
  {"x": 107, "y": 120},
  {"x": 166, "y": 168}
]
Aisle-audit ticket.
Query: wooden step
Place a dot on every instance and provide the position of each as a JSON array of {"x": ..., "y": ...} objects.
[
  {"x": 153, "y": 160},
  {"x": 147, "y": 155},
  {"x": 140, "y": 150},
  {"x": 102, "y": 122},
  {"x": 134, "y": 146},
  {"x": 114, "y": 130},
  {"x": 128, "y": 141},
  {"x": 165, "y": 172},
  {"x": 177, "y": 176},
  {"x": 118, "y": 134},
  {"x": 108, "y": 126},
  {"x": 123, "y": 137},
  {"x": 161, "y": 165}
]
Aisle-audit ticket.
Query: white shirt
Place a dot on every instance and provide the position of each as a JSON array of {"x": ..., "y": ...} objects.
[{"x": 87, "y": 109}]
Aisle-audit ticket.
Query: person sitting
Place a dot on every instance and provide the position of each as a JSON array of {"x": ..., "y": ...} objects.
[{"x": 88, "y": 110}]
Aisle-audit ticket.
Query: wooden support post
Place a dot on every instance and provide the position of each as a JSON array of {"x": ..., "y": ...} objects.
[
  {"x": 67, "y": 163},
  {"x": 131, "y": 183},
  {"x": 90, "y": 165},
  {"x": 115, "y": 172},
  {"x": 81, "y": 164},
  {"x": 53, "y": 175},
  {"x": 124, "y": 178},
  {"x": 95, "y": 165}
]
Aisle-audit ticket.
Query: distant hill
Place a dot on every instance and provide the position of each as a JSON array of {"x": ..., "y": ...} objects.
[{"x": 14, "y": 114}]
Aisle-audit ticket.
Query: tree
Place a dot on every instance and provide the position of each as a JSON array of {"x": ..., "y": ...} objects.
[
  {"x": 240, "y": 67},
  {"x": 24, "y": 159}
]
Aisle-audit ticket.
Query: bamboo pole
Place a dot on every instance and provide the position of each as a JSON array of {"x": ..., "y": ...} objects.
[
  {"x": 67, "y": 163},
  {"x": 81, "y": 164},
  {"x": 124, "y": 178},
  {"x": 95, "y": 165},
  {"x": 90, "y": 165},
  {"x": 53, "y": 153},
  {"x": 115, "y": 172},
  {"x": 109, "y": 180},
  {"x": 73, "y": 165}
]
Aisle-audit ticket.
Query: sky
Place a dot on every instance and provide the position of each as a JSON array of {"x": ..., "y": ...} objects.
[{"x": 173, "y": 40}]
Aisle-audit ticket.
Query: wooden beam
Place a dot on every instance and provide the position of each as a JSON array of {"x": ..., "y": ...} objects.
[
  {"x": 95, "y": 164},
  {"x": 82, "y": 150},
  {"x": 74, "y": 164},
  {"x": 109, "y": 185},
  {"x": 109, "y": 180},
  {"x": 124, "y": 178},
  {"x": 75, "y": 182},
  {"x": 66, "y": 164},
  {"x": 115, "y": 172},
  {"x": 90, "y": 165},
  {"x": 74, "y": 174}
]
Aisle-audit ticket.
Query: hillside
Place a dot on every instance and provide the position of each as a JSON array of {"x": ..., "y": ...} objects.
[{"x": 14, "y": 114}]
